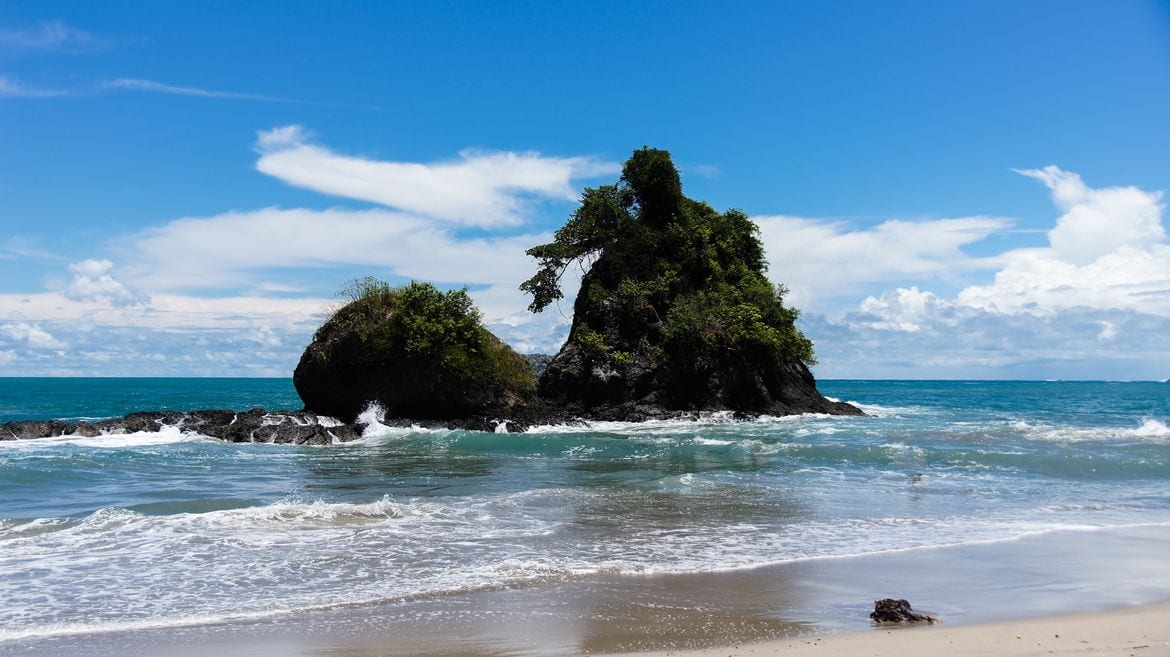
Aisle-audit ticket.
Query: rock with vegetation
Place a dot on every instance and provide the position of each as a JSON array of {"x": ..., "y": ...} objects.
[
  {"x": 675, "y": 312},
  {"x": 414, "y": 350}
]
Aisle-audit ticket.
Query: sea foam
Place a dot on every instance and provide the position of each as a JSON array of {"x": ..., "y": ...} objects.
[{"x": 166, "y": 435}]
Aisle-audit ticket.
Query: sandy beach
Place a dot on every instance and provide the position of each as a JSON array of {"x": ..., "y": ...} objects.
[{"x": 1142, "y": 631}]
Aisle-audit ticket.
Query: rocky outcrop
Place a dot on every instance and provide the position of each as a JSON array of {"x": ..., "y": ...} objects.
[
  {"x": 253, "y": 426},
  {"x": 889, "y": 610},
  {"x": 415, "y": 351},
  {"x": 281, "y": 427},
  {"x": 675, "y": 313}
]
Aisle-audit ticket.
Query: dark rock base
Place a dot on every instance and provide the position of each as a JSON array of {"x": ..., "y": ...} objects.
[
  {"x": 305, "y": 428},
  {"x": 254, "y": 426}
]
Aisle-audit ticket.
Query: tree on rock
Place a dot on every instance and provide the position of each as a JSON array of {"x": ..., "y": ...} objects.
[
  {"x": 675, "y": 311},
  {"x": 415, "y": 350}
]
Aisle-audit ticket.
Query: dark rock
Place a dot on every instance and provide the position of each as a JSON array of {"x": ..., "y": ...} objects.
[
  {"x": 890, "y": 610},
  {"x": 34, "y": 429},
  {"x": 653, "y": 387},
  {"x": 253, "y": 426},
  {"x": 538, "y": 363}
]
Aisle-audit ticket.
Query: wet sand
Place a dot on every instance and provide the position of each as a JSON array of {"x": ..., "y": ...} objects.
[{"x": 1130, "y": 632}]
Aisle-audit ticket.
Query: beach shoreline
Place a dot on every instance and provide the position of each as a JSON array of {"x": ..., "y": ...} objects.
[
  {"x": 1141, "y": 630},
  {"x": 986, "y": 595},
  {"x": 978, "y": 502}
]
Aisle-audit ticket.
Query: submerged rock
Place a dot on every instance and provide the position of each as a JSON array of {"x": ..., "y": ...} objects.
[{"x": 889, "y": 610}]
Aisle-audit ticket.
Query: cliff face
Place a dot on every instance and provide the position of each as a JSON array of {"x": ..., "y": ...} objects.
[
  {"x": 675, "y": 313},
  {"x": 578, "y": 385}
]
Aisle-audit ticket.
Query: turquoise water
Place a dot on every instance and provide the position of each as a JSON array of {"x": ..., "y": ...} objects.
[
  {"x": 98, "y": 399},
  {"x": 146, "y": 532}
]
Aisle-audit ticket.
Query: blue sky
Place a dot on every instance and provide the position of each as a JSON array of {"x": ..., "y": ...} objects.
[{"x": 950, "y": 190}]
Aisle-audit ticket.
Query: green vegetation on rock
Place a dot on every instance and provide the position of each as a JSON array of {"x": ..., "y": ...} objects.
[
  {"x": 674, "y": 311},
  {"x": 671, "y": 279},
  {"x": 418, "y": 351}
]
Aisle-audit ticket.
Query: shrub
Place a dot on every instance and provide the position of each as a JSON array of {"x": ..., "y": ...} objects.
[{"x": 418, "y": 323}]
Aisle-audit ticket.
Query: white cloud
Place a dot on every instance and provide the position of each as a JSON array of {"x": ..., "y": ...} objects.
[
  {"x": 264, "y": 336},
  {"x": 543, "y": 333},
  {"x": 1095, "y": 302},
  {"x": 1097, "y": 222},
  {"x": 53, "y": 36},
  {"x": 240, "y": 249},
  {"x": 281, "y": 137},
  {"x": 820, "y": 260},
  {"x": 1107, "y": 251},
  {"x": 92, "y": 281},
  {"x": 902, "y": 309},
  {"x": 962, "y": 342},
  {"x": 174, "y": 335},
  {"x": 7, "y": 357},
  {"x": 478, "y": 189},
  {"x": 31, "y": 335}
]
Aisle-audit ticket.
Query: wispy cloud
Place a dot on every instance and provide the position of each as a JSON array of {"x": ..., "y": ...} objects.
[
  {"x": 13, "y": 88},
  {"x": 478, "y": 189},
  {"x": 54, "y": 36},
  {"x": 708, "y": 171},
  {"x": 156, "y": 87},
  {"x": 151, "y": 86},
  {"x": 18, "y": 246}
]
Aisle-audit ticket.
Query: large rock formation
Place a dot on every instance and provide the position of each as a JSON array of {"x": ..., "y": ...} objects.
[
  {"x": 415, "y": 351},
  {"x": 675, "y": 313}
]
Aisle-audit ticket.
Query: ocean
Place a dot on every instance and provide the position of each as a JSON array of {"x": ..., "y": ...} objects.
[{"x": 984, "y": 500}]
